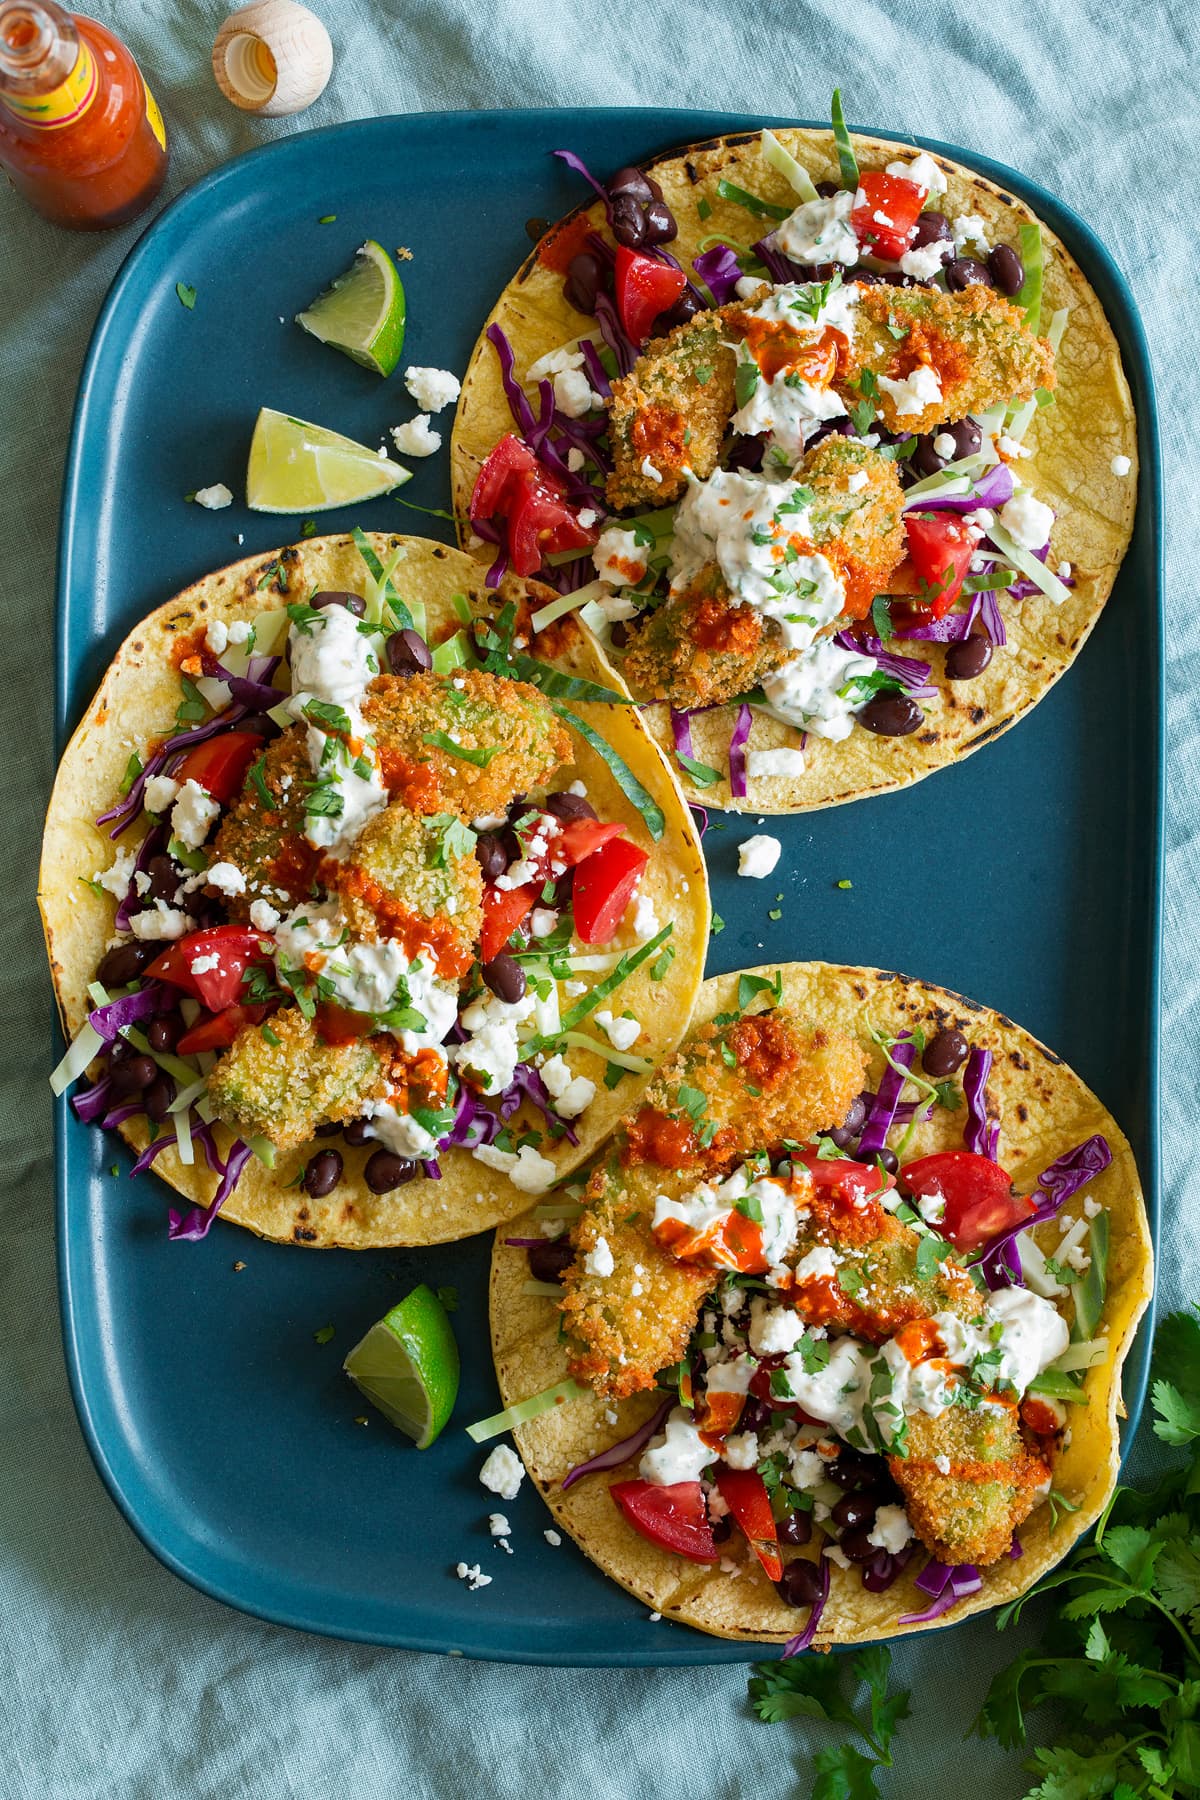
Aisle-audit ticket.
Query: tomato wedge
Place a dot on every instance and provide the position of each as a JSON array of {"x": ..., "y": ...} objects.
[
  {"x": 644, "y": 288},
  {"x": 605, "y": 883},
  {"x": 511, "y": 457},
  {"x": 886, "y": 215},
  {"x": 234, "y": 947},
  {"x": 503, "y": 910},
  {"x": 745, "y": 1494},
  {"x": 978, "y": 1193},
  {"x": 580, "y": 837},
  {"x": 940, "y": 548},
  {"x": 675, "y": 1518},
  {"x": 219, "y": 766},
  {"x": 854, "y": 1180},
  {"x": 218, "y": 1031}
]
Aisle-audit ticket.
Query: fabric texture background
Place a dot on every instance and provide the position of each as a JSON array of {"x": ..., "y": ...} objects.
[{"x": 116, "y": 1679}]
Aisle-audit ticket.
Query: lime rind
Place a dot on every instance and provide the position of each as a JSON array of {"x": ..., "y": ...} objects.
[
  {"x": 362, "y": 313},
  {"x": 407, "y": 1366}
]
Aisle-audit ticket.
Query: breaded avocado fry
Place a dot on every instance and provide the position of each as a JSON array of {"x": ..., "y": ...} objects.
[
  {"x": 410, "y": 870},
  {"x": 284, "y": 1085}
]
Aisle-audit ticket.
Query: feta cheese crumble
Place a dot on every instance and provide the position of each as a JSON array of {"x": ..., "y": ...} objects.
[
  {"x": 1120, "y": 465},
  {"x": 417, "y": 437},
  {"x": 503, "y": 1472},
  {"x": 600, "y": 1260},
  {"x": 214, "y": 497},
  {"x": 758, "y": 855},
  {"x": 1028, "y": 519},
  {"x": 432, "y": 389}
]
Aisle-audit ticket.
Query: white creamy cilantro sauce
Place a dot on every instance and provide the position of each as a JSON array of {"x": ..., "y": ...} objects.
[
  {"x": 332, "y": 664},
  {"x": 738, "y": 521},
  {"x": 712, "y": 1204},
  {"x": 820, "y": 231},
  {"x": 787, "y": 407}
]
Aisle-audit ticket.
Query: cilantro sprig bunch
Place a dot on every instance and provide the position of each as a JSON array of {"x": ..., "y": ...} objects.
[{"x": 815, "y": 1687}]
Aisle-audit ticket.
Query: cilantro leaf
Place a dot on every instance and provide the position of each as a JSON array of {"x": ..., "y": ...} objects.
[{"x": 802, "y": 1687}]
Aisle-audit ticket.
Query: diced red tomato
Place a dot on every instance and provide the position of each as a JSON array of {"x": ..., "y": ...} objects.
[
  {"x": 218, "y": 1030},
  {"x": 644, "y": 288},
  {"x": 940, "y": 549},
  {"x": 503, "y": 910},
  {"x": 512, "y": 485},
  {"x": 889, "y": 197},
  {"x": 745, "y": 1494},
  {"x": 220, "y": 765},
  {"x": 235, "y": 948},
  {"x": 580, "y": 837},
  {"x": 857, "y": 1181},
  {"x": 605, "y": 883},
  {"x": 511, "y": 458},
  {"x": 675, "y": 1518},
  {"x": 978, "y": 1193}
]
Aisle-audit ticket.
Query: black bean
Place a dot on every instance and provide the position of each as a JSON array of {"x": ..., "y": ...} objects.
[
  {"x": 156, "y": 1101},
  {"x": 322, "y": 1173},
  {"x": 619, "y": 635},
  {"x": 1008, "y": 271},
  {"x": 335, "y": 597},
  {"x": 868, "y": 277},
  {"x": 408, "y": 653},
  {"x": 570, "y": 806},
  {"x": 120, "y": 966},
  {"x": 357, "y": 1132},
  {"x": 630, "y": 181},
  {"x": 506, "y": 978},
  {"x": 850, "y": 1471},
  {"x": 827, "y": 189},
  {"x": 628, "y": 221},
  {"x": 801, "y": 1582},
  {"x": 842, "y": 1136},
  {"x": 925, "y": 459},
  {"x": 385, "y": 1171},
  {"x": 755, "y": 1415},
  {"x": 891, "y": 715},
  {"x": 685, "y": 308},
  {"x": 964, "y": 272},
  {"x": 660, "y": 223},
  {"x": 931, "y": 228},
  {"x": 548, "y": 1261},
  {"x": 796, "y": 1528},
  {"x": 331, "y": 1129},
  {"x": 722, "y": 1529},
  {"x": 856, "y": 1117},
  {"x": 518, "y": 806},
  {"x": 163, "y": 1033},
  {"x": 858, "y": 1546},
  {"x": 944, "y": 1053},
  {"x": 489, "y": 854},
  {"x": 852, "y": 1511},
  {"x": 889, "y": 1159},
  {"x": 585, "y": 278},
  {"x": 879, "y": 1574},
  {"x": 897, "y": 278},
  {"x": 132, "y": 1074},
  {"x": 656, "y": 192},
  {"x": 968, "y": 658},
  {"x": 967, "y": 437},
  {"x": 165, "y": 877}
]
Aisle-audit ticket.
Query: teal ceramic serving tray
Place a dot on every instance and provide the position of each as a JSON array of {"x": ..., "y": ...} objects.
[{"x": 1027, "y": 876}]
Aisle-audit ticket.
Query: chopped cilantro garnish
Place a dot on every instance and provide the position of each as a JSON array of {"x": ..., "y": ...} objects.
[
  {"x": 186, "y": 293},
  {"x": 441, "y": 740}
]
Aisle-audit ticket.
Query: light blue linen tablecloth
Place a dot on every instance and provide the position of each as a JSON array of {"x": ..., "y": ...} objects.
[{"x": 117, "y": 1679}]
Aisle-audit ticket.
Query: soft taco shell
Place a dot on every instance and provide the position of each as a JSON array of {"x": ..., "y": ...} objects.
[
  {"x": 1073, "y": 444},
  {"x": 136, "y": 703},
  {"x": 1044, "y": 1109}
]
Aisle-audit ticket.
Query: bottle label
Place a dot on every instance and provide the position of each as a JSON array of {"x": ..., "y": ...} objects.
[
  {"x": 63, "y": 104},
  {"x": 153, "y": 117}
]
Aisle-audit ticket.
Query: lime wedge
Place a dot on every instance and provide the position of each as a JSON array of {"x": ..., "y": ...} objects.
[
  {"x": 362, "y": 314},
  {"x": 297, "y": 467},
  {"x": 407, "y": 1366}
]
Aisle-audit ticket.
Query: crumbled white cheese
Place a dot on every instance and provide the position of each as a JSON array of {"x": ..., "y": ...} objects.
[
  {"x": 923, "y": 261},
  {"x": 758, "y": 855},
  {"x": 263, "y": 916},
  {"x": 600, "y": 1260},
  {"x": 115, "y": 880},
  {"x": 503, "y": 1472},
  {"x": 1063, "y": 571},
  {"x": 741, "y": 1450},
  {"x": 160, "y": 924},
  {"x": 618, "y": 556},
  {"x": 573, "y": 394},
  {"x": 217, "y": 636},
  {"x": 527, "y": 1170},
  {"x": 970, "y": 228},
  {"x": 919, "y": 389},
  {"x": 622, "y": 1034},
  {"x": 774, "y": 1330},
  {"x": 552, "y": 1538},
  {"x": 159, "y": 793},
  {"x": 473, "y": 1575},
  {"x": 891, "y": 1530},
  {"x": 761, "y": 763},
  {"x": 416, "y": 437},
  {"x": 923, "y": 170},
  {"x": 227, "y": 878},
  {"x": 1028, "y": 519},
  {"x": 553, "y": 363},
  {"x": 201, "y": 965},
  {"x": 432, "y": 388},
  {"x": 1120, "y": 465},
  {"x": 571, "y": 1093},
  {"x": 645, "y": 920},
  {"x": 542, "y": 921},
  {"x": 498, "y": 1525},
  {"x": 945, "y": 446},
  {"x": 192, "y": 814},
  {"x": 214, "y": 497}
]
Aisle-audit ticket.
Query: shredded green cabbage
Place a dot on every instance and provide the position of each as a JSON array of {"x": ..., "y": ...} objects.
[
  {"x": 524, "y": 1410},
  {"x": 785, "y": 164}
]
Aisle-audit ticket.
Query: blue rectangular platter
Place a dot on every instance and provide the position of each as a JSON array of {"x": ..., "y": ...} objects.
[{"x": 1027, "y": 877}]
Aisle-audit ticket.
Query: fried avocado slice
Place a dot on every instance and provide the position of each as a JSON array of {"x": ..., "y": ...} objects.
[
  {"x": 672, "y": 410},
  {"x": 463, "y": 743},
  {"x": 994, "y": 1481},
  {"x": 701, "y": 647},
  {"x": 411, "y": 878},
  {"x": 284, "y": 1090},
  {"x": 759, "y": 1080},
  {"x": 264, "y": 841},
  {"x": 977, "y": 343}
]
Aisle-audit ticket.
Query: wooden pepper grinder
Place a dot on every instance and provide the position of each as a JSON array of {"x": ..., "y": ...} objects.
[{"x": 272, "y": 57}]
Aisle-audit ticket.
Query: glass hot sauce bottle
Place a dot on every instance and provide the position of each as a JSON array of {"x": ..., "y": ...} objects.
[{"x": 81, "y": 137}]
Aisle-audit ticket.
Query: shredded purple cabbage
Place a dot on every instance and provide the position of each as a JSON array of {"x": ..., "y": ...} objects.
[
  {"x": 994, "y": 488},
  {"x": 948, "y": 1585},
  {"x": 803, "y": 1640},
  {"x": 152, "y": 1150},
  {"x": 122, "y": 815},
  {"x": 912, "y": 674},
  {"x": 474, "y": 1123},
  {"x": 720, "y": 271},
  {"x": 883, "y": 1107},
  {"x": 110, "y": 1020},
  {"x": 1000, "y": 1259},
  {"x": 982, "y": 1135},
  {"x": 595, "y": 368},
  {"x": 681, "y": 731},
  {"x": 621, "y": 1452},
  {"x": 195, "y": 1223},
  {"x": 615, "y": 335},
  {"x": 527, "y": 1084},
  {"x": 525, "y": 1243},
  {"x": 886, "y": 1567},
  {"x": 580, "y": 167},
  {"x": 93, "y": 1102},
  {"x": 779, "y": 267},
  {"x": 1016, "y": 1550},
  {"x": 253, "y": 690},
  {"x": 514, "y": 393},
  {"x": 737, "y": 752},
  {"x": 950, "y": 629},
  {"x": 701, "y": 816}
]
